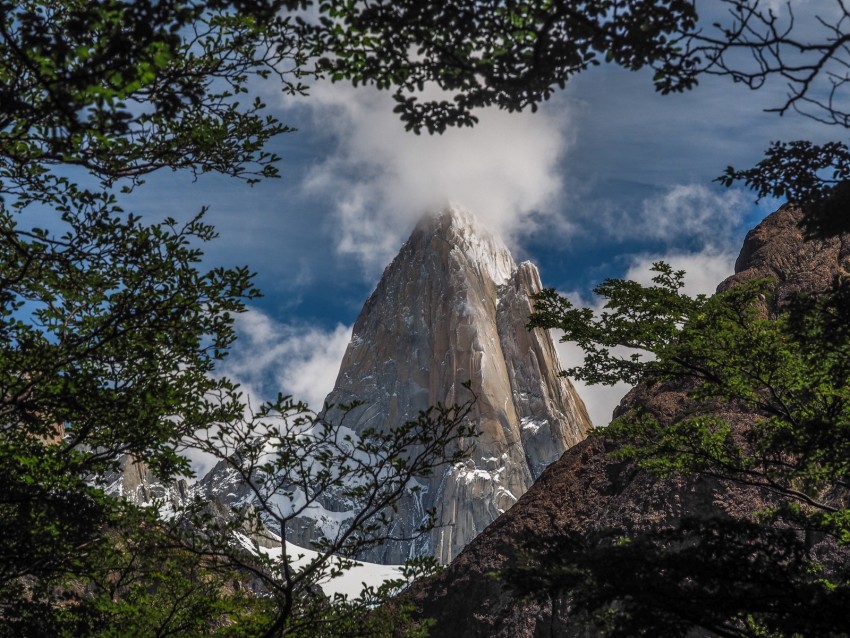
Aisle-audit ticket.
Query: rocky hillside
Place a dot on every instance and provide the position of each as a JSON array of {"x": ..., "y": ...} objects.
[{"x": 586, "y": 490}]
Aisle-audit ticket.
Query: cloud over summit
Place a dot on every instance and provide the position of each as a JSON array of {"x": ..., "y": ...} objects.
[{"x": 380, "y": 178}]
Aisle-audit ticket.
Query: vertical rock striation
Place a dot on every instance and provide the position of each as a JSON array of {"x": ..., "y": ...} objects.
[
  {"x": 452, "y": 307},
  {"x": 134, "y": 481}
]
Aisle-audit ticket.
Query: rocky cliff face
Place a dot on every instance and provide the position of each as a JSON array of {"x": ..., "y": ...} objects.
[
  {"x": 134, "y": 482},
  {"x": 776, "y": 249},
  {"x": 452, "y": 308},
  {"x": 586, "y": 490}
]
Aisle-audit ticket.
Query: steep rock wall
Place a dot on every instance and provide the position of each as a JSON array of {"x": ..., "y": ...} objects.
[{"x": 452, "y": 307}]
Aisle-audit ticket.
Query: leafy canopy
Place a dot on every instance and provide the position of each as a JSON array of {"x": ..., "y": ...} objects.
[
  {"x": 510, "y": 54},
  {"x": 124, "y": 88},
  {"x": 444, "y": 61},
  {"x": 112, "y": 328}
]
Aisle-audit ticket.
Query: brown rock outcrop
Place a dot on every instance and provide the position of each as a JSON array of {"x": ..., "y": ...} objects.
[{"x": 776, "y": 249}]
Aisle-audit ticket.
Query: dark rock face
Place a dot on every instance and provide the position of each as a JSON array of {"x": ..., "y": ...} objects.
[
  {"x": 583, "y": 491},
  {"x": 587, "y": 490}
]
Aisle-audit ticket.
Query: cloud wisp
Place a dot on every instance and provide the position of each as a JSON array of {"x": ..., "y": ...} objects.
[
  {"x": 691, "y": 213},
  {"x": 297, "y": 360},
  {"x": 379, "y": 179},
  {"x": 702, "y": 231}
]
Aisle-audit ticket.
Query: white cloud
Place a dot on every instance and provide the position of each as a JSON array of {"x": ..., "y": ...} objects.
[
  {"x": 381, "y": 178},
  {"x": 704, "y": 270},
  {"x": 298, "y": 360},
  {"x": 685, "y": 212},
  {"x": 693, "y": 210}
]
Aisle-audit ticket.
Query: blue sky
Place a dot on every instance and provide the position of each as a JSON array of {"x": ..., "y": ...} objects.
[{"x": 604, "y": 179}]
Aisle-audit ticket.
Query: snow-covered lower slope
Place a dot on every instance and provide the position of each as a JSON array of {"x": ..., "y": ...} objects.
[{"x": 350, "y": 583}]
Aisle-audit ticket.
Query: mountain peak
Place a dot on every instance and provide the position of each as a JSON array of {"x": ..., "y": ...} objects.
[
  {"x": 461, "y": 230},
  {"x": 452, "y": 216},
  {"x": 452, "y": 308}
]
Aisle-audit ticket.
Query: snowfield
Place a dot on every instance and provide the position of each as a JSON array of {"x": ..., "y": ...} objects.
[{"x": 350, "y": 583}]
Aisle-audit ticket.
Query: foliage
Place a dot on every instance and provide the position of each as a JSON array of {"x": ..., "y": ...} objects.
[
  {"x": 141, "y": 584},
  {"x": 125, "y": 88},
  {"x": 730, "y": 578},
  {"x": 768, "y": 406},
  {"x": 807, "y": 51},
  {"x": 509, "y": 54},
  {"x": 122, "y": 89},
  {"x": 289, "y": 462},
  {"x": 443, "y": 61},
  {"x": 111, "y": 331}
]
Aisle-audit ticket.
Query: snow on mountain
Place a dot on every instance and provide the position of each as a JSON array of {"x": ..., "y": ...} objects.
[{"x": 350, "y": 582}]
